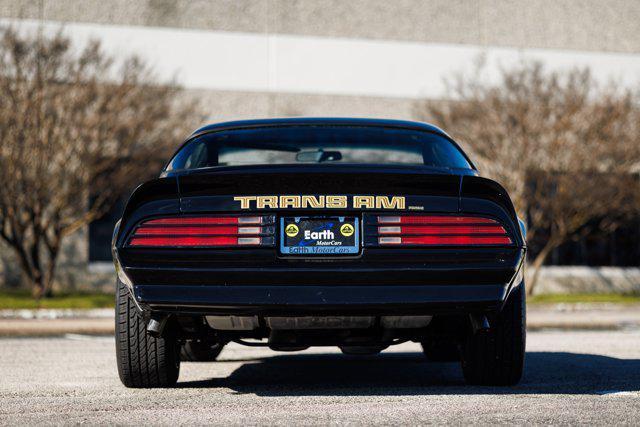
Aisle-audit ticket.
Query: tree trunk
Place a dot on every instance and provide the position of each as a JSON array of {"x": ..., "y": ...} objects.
[
  {"x": 53, "y": 250},
  {"x": 38, "y": 287},
  {"x": 42, "y": 280},
  {"x": 532, "y": 280},
  {"x": 38, "y": 270}
]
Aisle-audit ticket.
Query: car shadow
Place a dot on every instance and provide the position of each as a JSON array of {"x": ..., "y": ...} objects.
[{"x": 396, "y": 374}]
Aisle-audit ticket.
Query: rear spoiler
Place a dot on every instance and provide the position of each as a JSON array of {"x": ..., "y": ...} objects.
[
  {"x": 158, "y": 196},
  {"x": 476, "y": 192}
]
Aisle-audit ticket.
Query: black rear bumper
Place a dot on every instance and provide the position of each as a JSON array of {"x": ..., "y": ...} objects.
[
  {"x": 316, "y": 300},
  {"x": 384, "y": 282}
]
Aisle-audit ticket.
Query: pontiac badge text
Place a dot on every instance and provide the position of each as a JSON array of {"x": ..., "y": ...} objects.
[{"x": 321, "y": 202}]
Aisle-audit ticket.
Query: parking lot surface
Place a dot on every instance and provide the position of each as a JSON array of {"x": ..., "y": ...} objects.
[{"x": 570, "y": 377}]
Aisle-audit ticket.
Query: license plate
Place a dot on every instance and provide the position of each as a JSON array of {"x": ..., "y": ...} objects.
[{"x": 319, "y": 236}]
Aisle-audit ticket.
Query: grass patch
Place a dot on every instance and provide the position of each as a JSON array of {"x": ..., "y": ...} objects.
[
  {"x": 21, "y": 300},
  {"x": 584, "y": 298}
]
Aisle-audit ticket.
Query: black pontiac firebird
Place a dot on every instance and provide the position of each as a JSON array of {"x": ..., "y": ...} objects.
[{"x": 292, "y": 233}]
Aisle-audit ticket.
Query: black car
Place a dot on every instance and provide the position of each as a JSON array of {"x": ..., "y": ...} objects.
[{"x": 290, "y": 233}]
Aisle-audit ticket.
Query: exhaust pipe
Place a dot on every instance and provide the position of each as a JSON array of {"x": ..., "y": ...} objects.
[
  {"x": 156, "y": 324},
  {"x": 479, "y": 323}
]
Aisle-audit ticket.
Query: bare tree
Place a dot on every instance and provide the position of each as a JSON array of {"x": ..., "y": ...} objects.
[
  {"x": 563, "y": 147},
  {"x": 75, "y": 135}
]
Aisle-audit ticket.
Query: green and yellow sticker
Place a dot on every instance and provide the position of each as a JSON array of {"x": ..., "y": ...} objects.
[
  {"x": 347, "y": 230},
  {"x": 292, "y": 230}
]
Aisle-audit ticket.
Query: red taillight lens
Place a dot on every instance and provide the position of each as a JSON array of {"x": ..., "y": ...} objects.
[
  {"x": 207, "y": 220},
  {"x": 199, "y": 230},
  {"x": 434, "y": 220},
  {"x": 435, "y": 230},
  {"x": 205, "y": 231}
]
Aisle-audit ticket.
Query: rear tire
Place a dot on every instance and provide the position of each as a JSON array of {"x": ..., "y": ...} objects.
[
  {"x": 143, "y": 361},
  {"x": 496, "y": 357},
  {"x": 198, "y": 351}
]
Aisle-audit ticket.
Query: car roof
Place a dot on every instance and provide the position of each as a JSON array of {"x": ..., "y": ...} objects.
[{"x": 320, "y": 121}]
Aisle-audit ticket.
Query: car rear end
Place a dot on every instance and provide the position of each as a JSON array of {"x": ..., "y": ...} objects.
[
  {"x": 210, "y": 255},
  {"x": 358, "y": 256}
]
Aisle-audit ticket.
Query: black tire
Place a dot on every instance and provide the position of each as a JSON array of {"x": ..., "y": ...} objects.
[
  {"x": 143, "y": 361},
  {"x": 441, "y": 351},
  {"x": 496, "y": 357},
  {"x": 198, "y": 351}
]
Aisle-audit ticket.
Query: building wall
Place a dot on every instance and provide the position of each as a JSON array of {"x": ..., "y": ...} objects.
[
  {"x": 589, "y": 25},
  {"x": 265, "y": 58}
]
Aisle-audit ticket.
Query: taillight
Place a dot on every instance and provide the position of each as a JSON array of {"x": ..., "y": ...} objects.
[
  {"x": 205, "y": 231},
  {"x": 440, "y": 230}
]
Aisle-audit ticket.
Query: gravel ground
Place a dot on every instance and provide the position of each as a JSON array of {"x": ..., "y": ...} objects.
[{"x": 571, "y": 377}]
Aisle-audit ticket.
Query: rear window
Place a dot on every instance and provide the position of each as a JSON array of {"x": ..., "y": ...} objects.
[{"x": 319, "y": 144}]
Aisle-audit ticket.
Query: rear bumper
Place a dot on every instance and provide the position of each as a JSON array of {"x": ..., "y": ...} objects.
[
  {"x": 313, "y": 300},
  {"x": 385, "y": 283}
]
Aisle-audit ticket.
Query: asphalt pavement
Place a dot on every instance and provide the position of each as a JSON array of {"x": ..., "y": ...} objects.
[{"x": 571, "y": 377}]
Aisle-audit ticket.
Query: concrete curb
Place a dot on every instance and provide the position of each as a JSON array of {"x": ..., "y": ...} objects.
[
  {"x": 30, "y": 323},
  {"x": 53, "y": 313},
  {"x": 593, "y": 316},
  {"x": 55, "y": 327}
]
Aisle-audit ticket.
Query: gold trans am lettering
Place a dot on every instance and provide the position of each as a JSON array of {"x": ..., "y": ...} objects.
[
  {"x": 289, "y": 202},
  {"x": 245, "y": 201},
  {"x": 267, "y": 202},
  {"x": 321, "y": 202},
  {"x": 386, "y": 203},
  {"x": 364, "y": 202},
  {"x": 312, "y": 202},
  {"x": 336, "y": 202}
]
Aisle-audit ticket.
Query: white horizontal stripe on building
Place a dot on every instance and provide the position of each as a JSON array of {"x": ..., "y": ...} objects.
[{"x": 321, "y": 65}]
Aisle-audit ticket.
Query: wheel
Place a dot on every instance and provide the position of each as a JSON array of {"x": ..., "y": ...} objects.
[
  {"x": 496, "y": 356},
  {"x": 198, "y": 351},
  {"x": 441, "y": 351},
  {"x": 143, "y": 361}
]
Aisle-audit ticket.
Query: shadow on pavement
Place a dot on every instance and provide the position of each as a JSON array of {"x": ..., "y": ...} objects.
[{"x": 404, "y": 374}]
